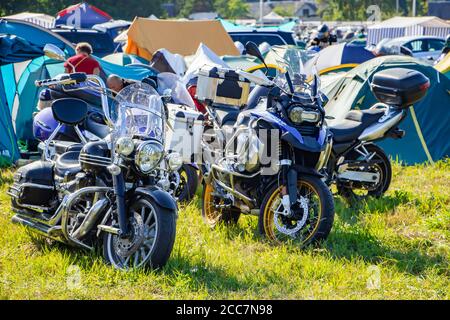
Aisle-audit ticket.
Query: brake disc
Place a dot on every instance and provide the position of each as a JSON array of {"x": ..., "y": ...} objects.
[
  {"x": 303, "y": 202},
  {"x": 125, "y": 247}
]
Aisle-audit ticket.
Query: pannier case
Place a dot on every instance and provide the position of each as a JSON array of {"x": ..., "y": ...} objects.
[
  {"x": 33, "y": 185},
  {"x": 184, "y": 132},
  {"x": 399, "y": 87},
  {"x": 222, "y": 86}
]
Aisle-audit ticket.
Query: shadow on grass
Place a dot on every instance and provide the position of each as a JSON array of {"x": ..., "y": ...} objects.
[
  {"x": 359, "y": 244},
  {"x": 350, "y": 211}
]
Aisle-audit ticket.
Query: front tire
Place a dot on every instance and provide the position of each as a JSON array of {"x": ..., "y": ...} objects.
[
  {"x": 213, "y": 215},
  {"x": 313, "y": 216},
  {"x": 158, "y": 237}
]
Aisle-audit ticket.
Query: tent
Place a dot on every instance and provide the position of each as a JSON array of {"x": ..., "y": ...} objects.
[
  {"x": 427, "y": 124},
  {"x": 407, "y": 26},
  {"x": 123, "y": 59},
  {"x": 273, "y": 18},
  {"x": 444, "y": 65},
  {"x": 41, "y": 19},
  {"x": 146, "y": 36},
  {"x": 15, "y": 49},
  {"x": 82, "y": 15},
  {"x": 113, "y": 28},
  {"x": 339, "y": 57},
  {"x": 36, "y": 35}
]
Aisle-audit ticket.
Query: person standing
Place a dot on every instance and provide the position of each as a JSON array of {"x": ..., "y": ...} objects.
[{"x": 82, "y": 61}]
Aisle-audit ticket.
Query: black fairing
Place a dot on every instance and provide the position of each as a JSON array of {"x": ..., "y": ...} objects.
[
  {"x": 162, "y": 198},
  {"x": 399, "y": 87},
  {"x": 39, "y": 172},
  {"x": 69, "y": 111}
]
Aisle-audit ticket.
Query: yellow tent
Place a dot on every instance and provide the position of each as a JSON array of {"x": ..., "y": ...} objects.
[
  {"x": 146, "y": 36},
  {"x": 444, "y": 65}
]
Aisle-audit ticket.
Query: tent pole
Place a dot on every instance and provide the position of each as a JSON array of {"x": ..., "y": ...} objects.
[{"x": 261, "y": 12}]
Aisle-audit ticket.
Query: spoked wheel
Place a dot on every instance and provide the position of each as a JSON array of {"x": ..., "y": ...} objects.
[
  {"x": 310, "y": 219},
  {"x": 188, "y": 183},
  {"x": 151, "y": 238},
  {"x": 212, "y": 211},
  {"x": 381, "y": 165}
]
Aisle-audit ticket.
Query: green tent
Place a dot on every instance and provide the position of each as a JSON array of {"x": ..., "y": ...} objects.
[{"x": 427, "y": 125}]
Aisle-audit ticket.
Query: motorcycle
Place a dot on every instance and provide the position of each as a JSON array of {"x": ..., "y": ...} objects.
[
  {"x": 357, "y": 166},
  {"x": 104, "y": 194},
  {"x": 265, "y": 160},
  {"x": 179, "y": 179}
]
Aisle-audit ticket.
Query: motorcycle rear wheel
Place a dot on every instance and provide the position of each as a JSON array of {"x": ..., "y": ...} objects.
[
  {"x": 384, "y": 168},
  {"x": 159, "y": 236},
  {"x": 188, "y": 183}
]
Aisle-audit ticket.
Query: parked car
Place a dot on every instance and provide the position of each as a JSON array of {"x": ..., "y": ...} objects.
[
  {"x": 272, "y": 37},
  {"x": 113, "y": 28},
  {"x": 101, "y": 42},
  {"x": 422, "y": 47}
]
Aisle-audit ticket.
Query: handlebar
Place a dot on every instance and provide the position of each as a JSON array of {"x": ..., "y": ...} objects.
[{"x": 74, "y": 78}]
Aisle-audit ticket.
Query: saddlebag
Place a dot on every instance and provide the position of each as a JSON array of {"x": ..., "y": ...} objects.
[
  {"x": 222, "y": 86},
  {"x": 399, "y": 87},
  {"x": 34, "y": 185},
  {"x": 185, "y": 132}
]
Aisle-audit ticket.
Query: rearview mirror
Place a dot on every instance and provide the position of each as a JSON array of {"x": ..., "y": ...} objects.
[
  {"x": 53, "y": 52},
  {"x": 252, "y": 49}
]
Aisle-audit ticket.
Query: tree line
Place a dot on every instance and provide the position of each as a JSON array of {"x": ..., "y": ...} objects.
[{"x": 230, "y": 9}]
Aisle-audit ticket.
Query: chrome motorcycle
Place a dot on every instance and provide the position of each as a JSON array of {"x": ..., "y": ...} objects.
[{"x": 104, "y": 194}]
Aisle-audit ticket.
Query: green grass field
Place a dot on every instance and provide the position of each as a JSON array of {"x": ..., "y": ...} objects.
[{"x": 396, "y": 247}]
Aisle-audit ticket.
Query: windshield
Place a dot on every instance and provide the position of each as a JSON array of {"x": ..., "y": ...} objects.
[
  {"x": 138, "y": 111},
  {"x": 291, "y": 61}
]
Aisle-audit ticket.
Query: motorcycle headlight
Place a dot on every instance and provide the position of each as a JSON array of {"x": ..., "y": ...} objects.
[
  {"x": 125, "y": 146},
  {"x": 148, "y": 156},
  {"x": 175, "y": 161},
  {"x": 296, "y": 115},
  {"x": 299, "y": 115}
]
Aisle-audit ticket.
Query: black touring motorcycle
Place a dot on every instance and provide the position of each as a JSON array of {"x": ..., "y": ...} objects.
[{"x": 104, "y": 195}]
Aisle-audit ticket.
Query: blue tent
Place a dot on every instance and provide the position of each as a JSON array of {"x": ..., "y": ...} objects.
[
  {"x": 427, "y": 124},
  {"x": 34, "y": 34}
]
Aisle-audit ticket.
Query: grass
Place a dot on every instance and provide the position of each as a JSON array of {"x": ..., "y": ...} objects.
[{"x": 396, "y": 247}]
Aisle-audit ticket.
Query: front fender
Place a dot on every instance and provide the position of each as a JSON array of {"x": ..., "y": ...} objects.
[
  {"x": 302, "y": 170},
  {"x": 161, "y": 197}
]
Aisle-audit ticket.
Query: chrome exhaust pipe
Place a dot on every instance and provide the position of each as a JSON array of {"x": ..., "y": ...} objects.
[
  {"x": 37, "y": 227},
  {"x": 90, "y": 219}
]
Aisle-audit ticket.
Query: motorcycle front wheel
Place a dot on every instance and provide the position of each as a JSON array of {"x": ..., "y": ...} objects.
[
  {"x": 151, "y": 241},
  {"x": 213, "y": 211},
  {"x": 310, "y": 219}
]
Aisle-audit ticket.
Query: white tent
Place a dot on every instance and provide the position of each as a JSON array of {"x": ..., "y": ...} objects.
[
  {"x": 407, "y": 26},
  {"x": 273, "y": 18},
  {"x": 40, "y": 19}
]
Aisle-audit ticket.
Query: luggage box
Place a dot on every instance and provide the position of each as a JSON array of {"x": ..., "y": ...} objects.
[
  {"x": 399, "y": 87},
  {"x": 222, "y": 86},
  {"x": 33, "y": 185},
  {"x": 184, "y": 132}
]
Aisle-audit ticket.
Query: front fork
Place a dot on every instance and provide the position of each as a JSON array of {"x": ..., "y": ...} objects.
[
  {"x": 119, "y": 190},
  {"x": 288, "y": 181}
]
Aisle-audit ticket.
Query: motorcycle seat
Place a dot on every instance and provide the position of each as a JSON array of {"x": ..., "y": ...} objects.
[
  {"x": 68, "y": 164},
  {"x": 226, "y": 115},
  {"x": 355, "y": 122}
]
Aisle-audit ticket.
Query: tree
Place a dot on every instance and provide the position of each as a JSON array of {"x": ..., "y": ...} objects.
[
  {"x": 191, "y": 6},
  {"x": 118, "y": 9},
  {"x": 231, "y": 9},
  {"x": 284, "y": 11}
]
